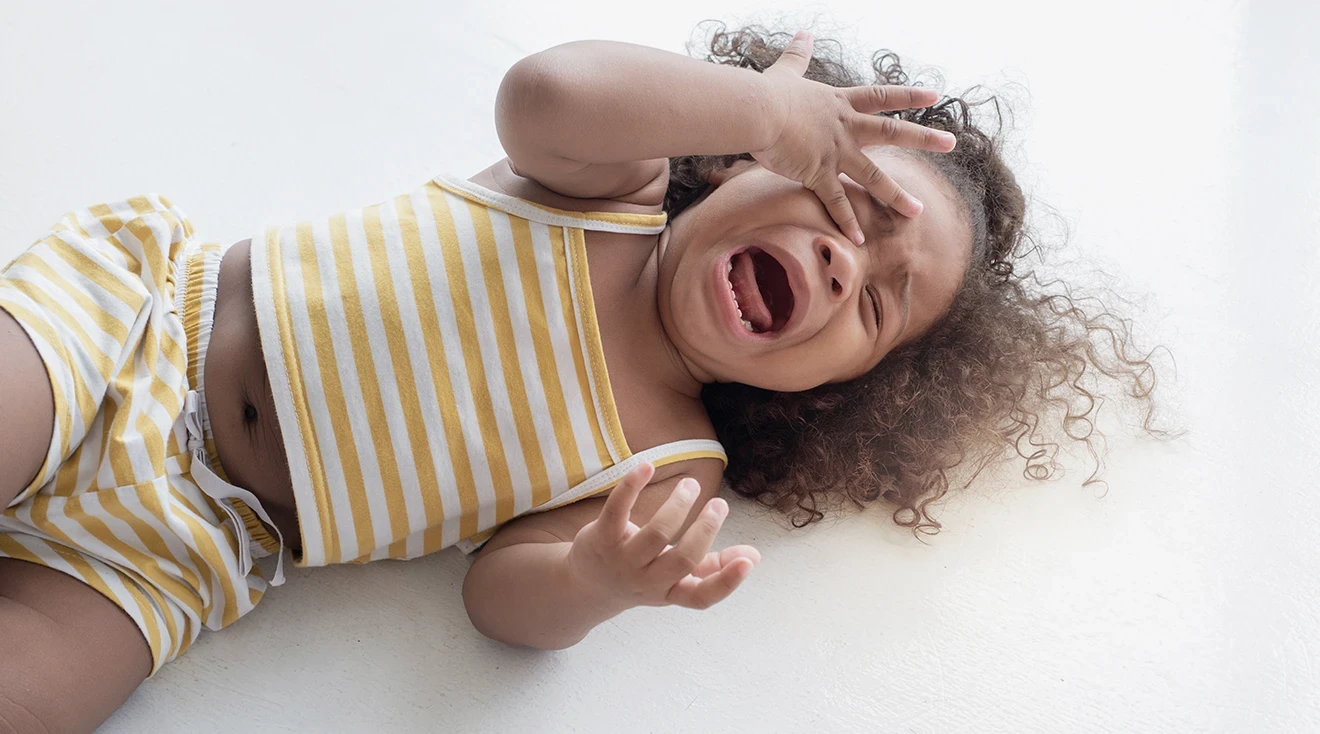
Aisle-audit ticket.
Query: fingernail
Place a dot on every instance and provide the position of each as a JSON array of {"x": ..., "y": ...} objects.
[
  {"x": 858, "y": 238},
  {"x": 950, "y": 139},
  {"x": 718, "y": 507},
  {"x": 914, "y": 206},
  {"x": 686, "y": 490}
]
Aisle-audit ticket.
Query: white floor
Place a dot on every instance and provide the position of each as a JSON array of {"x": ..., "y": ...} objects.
[{"x": 1177, "y": 141}]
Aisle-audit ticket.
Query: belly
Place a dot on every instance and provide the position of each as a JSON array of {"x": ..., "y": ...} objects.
[{"x": 239, "y": 401}]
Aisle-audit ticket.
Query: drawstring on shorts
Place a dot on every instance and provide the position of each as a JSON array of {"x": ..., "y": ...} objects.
[{"x": 221, "y": 491}]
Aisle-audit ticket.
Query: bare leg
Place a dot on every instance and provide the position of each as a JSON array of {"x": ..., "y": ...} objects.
[
  {"x": 27, "y": 410},
  {"x": 71, "y": 656}
]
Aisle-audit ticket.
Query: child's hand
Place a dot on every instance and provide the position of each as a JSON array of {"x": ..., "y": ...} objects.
[
  {"x": 622, "y": 565},
  {"x": 822, "y": 130}
]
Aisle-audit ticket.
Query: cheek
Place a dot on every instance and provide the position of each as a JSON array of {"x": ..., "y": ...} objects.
[
  {"x": 838, "y": 352},
  {"x": 692, "y": 304}
]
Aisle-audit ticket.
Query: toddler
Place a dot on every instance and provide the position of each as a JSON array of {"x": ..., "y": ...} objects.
[{"x": 761, "y": 270}]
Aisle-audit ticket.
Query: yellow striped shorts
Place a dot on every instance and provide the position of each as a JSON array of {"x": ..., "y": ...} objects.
[{"x": 118, "y": 299}]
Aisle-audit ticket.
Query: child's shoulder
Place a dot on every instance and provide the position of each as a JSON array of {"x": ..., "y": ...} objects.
[{"x": 503, "y": 178}]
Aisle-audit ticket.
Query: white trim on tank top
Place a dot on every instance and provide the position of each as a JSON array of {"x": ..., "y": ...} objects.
[
  {"x": 606, "y": 477},
  {"x": 519, "y": 207}
]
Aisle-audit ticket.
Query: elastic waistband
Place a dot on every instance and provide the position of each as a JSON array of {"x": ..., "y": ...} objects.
[{"x": 197, "y": 273}]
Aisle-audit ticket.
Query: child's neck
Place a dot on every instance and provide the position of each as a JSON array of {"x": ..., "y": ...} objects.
[
  {"x": 665, "y": 363},
  {"x": 657, "y": 396}
]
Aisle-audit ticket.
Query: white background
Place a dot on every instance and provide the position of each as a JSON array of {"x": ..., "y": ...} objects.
[{"x": 1176, "y": 141}]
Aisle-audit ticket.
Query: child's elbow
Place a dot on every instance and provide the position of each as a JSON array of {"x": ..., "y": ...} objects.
[
  {"x": 484, "y": 605},
  {"x": 475, "y": 604}
]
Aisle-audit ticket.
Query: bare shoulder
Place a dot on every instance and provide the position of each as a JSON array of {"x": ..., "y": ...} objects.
[
  {"x": 502, "y": 177},
  {"x": 709, "y": 473},
  {"x": 562, "y": 524}
]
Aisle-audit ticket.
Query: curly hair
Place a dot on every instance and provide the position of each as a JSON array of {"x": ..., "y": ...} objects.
[{"x": 981, "y": 384}]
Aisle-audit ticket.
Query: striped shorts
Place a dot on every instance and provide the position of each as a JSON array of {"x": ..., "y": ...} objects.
[{"x": 118, "y": 299}]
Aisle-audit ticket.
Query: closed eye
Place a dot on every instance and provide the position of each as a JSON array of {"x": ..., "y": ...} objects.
[{"x": 875, "y": 307}]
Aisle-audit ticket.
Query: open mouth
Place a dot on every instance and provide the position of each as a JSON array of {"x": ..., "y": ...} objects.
[{"x": 761, "y": 291}]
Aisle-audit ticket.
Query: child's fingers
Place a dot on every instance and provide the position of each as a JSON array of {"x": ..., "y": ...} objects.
[
  {"x": 695, "y": 593},
  {"x": 863, "y": 170},
  {"x": 649, "y": 541},
  {"x": 884, "y": 130},
  {"x": 618, "y": 505},
  {"x": 708, "y": 565},
  {"x": 873, "y": 98},
  {"x": 831, "y": 194},
  {"x": 714, "y": 561},
  {"x": 692, "y": 548},
  {"x": 796, "y": 55}
]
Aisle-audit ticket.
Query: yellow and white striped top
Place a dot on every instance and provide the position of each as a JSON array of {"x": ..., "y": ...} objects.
[{"x": 438, "y": 370}]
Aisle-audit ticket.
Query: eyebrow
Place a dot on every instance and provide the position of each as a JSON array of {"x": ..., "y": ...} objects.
[{"x": 880, "y": 206}]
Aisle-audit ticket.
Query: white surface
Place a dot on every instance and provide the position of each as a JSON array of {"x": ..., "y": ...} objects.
[{"x": 1178, "y": 140}]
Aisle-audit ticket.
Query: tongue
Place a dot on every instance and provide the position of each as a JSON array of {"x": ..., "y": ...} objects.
[{"x": 743, "y": 278}]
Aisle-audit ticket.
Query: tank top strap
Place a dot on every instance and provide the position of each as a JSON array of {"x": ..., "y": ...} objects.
[
  {"x": 658, "y": 456},
  {"x": 623, "y": 222}
]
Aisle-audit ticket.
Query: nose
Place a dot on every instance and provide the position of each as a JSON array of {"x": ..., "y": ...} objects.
[{"x": 840, "y": 269}]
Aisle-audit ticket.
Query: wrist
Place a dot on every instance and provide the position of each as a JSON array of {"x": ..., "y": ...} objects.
[
  {"x": 769, "y": 113},
  {"x": 591, "y": 592}
]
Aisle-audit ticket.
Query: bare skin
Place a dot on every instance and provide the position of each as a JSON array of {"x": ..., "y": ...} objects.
[
  {"x": 58, "y": 634},
  {"x": 590, "y": 126},
  {"x": 239, "y": 400},
  {"x": 27, "y": 410},
  {"x": 657, "y": 300}
]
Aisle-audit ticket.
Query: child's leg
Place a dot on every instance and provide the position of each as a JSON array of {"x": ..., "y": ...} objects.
[
  {"x": 71, "y": 657},
  {"x": 27, "y": 410}
]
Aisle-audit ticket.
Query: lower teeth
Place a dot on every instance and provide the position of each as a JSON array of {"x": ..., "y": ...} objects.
[{"x": 748, "y": 325}]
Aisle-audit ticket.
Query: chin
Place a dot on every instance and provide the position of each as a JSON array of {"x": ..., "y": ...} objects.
[{"x": 762, "y": 381}]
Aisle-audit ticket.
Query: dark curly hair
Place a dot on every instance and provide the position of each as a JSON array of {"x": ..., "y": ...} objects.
[{"x": 1009, "y": 356}]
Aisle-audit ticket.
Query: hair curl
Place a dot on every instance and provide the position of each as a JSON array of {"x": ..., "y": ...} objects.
[{"x": 1011, "y": 352}]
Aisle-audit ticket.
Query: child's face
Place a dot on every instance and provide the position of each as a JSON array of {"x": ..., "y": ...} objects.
[{"x": 805, "y": 290}]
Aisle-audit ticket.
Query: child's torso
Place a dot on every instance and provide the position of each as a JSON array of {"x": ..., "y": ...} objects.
[
  {"x": 623, "y": 283},
  {"x": 630, "y": 334}
]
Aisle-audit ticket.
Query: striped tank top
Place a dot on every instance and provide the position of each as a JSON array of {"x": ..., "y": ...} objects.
[{"x": 437, "y": 369}]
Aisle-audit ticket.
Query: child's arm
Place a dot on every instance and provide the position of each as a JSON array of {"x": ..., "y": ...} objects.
[
  {"x": 546, "y": 580},
  {"x": 599, "y": 119}
]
